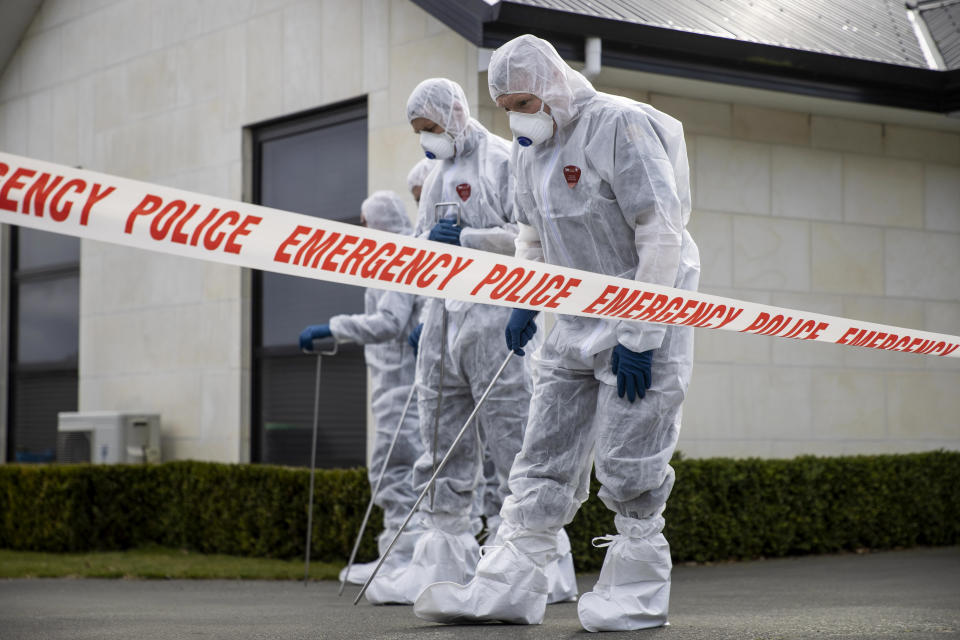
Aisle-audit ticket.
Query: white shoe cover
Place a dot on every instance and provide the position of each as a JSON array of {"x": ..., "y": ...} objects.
[
  {"x": 437, "y": 556},
  {"x": 359, "y": 572},
  {"x": 396, "y": 563},
  {"x": 508, "y": 587},
  {"x": 561, "y": 579},
  {"x": 633, "y": 591}
]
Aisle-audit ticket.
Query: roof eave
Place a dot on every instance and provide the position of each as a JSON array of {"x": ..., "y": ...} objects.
[{"x": 466, "y": 17}]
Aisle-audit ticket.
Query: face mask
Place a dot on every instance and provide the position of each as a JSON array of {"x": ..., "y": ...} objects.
[
  {"x": 531, "y": 128},
  {"x": 437, "y": 145}
]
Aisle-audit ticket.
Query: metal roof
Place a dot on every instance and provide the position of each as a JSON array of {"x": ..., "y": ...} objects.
[
  {"x": 943, "y": 22},
  {"x": 877, "y": 30},
  {"x": 856, "y": 50}
]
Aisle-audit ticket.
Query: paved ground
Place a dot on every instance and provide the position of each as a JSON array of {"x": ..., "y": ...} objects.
[{"x": 904, "y": 594}]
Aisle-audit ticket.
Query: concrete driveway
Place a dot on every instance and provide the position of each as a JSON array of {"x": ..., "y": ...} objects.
[{"x": 901, "y": 594}]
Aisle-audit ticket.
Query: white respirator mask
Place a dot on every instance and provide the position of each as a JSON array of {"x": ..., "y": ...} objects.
[
  {"x": 531, "y": 128},
  {"x": 437, "y": 146}
]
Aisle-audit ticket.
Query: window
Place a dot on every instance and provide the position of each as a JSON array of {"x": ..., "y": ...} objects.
[
  {"x": 314, "y": 164},
  {"x": 44, "y": 339}
]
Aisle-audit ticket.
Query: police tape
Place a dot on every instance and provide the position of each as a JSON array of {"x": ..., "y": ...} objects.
[{"x": 86, "y": 204}]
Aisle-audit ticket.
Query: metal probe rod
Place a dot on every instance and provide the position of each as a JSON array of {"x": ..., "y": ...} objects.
[
  {"x": 443, "y": 463},
  {"x": 317, "y": 344},
  {"x": 376, "y": 489}
]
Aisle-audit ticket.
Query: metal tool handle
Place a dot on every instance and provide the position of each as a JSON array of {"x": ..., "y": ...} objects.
[
  {"x": 323, "y": 346},
  {"x": 438, "y": 208},
  {"x": 376, "y": 489},
  {"x": 436, "y": 412},
  {"x": 436, "y": 473},
  {"x": 438, "y": 214}
]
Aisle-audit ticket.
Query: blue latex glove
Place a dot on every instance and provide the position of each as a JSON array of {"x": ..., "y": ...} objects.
[
  {"x": 520, "y": 328},
  {"x": 633, "y": 371},
  {"x": 414, "y": 338},
  {"x": 446, "y": 231},
  {"x": 313, "y": 332}
]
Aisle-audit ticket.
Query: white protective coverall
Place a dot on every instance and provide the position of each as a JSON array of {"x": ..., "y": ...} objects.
[
  {"x": 478, "y": 179},
  {"x": 608, "y": 192},
  {"x": 382, "y": 328}
]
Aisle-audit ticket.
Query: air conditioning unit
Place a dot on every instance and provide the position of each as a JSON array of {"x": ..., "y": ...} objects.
[{"x": 108, "y": 437}]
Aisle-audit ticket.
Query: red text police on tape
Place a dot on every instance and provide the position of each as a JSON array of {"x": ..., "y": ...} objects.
[{"x": 180, "y": 222}]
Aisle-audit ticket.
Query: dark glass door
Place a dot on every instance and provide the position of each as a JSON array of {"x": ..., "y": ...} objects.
[
  {"x": 314, "y": 164},
  {"x": 44, "y": 339}
]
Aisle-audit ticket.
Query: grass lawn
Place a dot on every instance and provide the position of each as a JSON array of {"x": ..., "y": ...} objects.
[{"x": 156, "y": 562}]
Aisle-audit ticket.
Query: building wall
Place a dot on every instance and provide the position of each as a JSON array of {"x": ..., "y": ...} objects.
[
  {"x": 855, "y": 216},
  {"x": 161, "y": 91},
  {"x": 844, "y": 217}
]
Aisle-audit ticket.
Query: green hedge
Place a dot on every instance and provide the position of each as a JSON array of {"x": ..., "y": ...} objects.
[
  {"x": 245, "y": 510},
  {"x": 720, "y": 508},
  {"x": 724, "y": 509}
]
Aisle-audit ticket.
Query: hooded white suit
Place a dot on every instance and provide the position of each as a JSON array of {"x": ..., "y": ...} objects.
[{"x": 608, "y": 192}]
